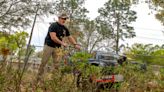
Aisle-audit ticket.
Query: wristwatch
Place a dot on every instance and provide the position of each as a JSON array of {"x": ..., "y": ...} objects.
[{"x": 76, "y": 44}]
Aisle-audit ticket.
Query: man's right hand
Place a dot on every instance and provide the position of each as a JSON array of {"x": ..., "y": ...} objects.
[{"x": 77, "y": 46}]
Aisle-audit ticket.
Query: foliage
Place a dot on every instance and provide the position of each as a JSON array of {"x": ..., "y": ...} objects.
[
  {"x": 89, "y": 37},
  {"x": 145, "y": 53},
  {"x": 80, "y": 60},
  {"x": 75, "y": 10},
  {"x": 18, "y": 13},
  {"x": 140, "y": 52},
  {"x": 80, "y": 57},
  {"x": 93, "y": 36},
  {"x": 160, "y": 8},
  {"x": 114, "y": 19},
  {"x": 13, "y": 42},
  {"x": 158, "y": 57},
  {"x": 135, "y": 80}
]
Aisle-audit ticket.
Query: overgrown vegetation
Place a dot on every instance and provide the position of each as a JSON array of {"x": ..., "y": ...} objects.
[
  {"x": 146, "y": 54},
  {"x": 135, "y": 79}
]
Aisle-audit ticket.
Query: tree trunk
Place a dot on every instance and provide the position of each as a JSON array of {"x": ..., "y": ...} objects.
[{"x": 117, "y": 38}]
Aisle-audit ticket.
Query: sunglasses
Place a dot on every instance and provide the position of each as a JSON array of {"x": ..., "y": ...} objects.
[{"x": 64, "y": 18}]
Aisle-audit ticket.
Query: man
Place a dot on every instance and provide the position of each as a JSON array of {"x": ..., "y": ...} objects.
[{"x": 53, "y": 42}]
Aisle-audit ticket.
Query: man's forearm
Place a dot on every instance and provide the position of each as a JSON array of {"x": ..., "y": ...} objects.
[
  {"x": 72, "y": 40},
  {"x": 55, "y": 39}
]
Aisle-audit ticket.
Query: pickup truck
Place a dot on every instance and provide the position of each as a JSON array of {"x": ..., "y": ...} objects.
[{"x": 106, "y": 59}]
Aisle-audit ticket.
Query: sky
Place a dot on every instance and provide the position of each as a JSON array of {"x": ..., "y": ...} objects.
[{"x": 148, "y": 29}]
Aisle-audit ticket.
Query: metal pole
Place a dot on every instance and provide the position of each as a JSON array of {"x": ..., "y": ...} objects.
[{"x": 28, "y": 46}]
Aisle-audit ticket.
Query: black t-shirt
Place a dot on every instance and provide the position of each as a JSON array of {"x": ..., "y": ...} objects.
[{"x": 60, "y": 31}]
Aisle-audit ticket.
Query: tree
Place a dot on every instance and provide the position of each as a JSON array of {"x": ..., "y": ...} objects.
[
  {"x": 140, "y": 52},
  {"x": 90, "y": 37},
  {"x": 19, "y": 13},
  {"x": 74, "y": 8},
  {"x": 146, "y": 53},
  {"x": 116, "y": 16},
  {"x": 159, "y": 4},
  {"x": 13, "y": 42}
]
